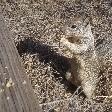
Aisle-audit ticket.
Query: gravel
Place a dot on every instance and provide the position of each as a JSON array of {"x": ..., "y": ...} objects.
[{"x": 37, "y": 27}]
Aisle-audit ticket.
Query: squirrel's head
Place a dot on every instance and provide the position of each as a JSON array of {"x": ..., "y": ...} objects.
[{"x": 79, "y": 29}]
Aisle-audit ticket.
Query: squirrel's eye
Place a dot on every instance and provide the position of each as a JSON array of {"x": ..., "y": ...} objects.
[{"x": 73, "y": 26}]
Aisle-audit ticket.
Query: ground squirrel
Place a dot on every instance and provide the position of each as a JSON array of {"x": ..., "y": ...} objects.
[{"x": 84, "y": 70}]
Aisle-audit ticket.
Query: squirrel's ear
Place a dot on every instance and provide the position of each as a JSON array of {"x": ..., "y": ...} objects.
[
  {"x": 88, "y": 27},
  {"x": 86, "y": 22}
]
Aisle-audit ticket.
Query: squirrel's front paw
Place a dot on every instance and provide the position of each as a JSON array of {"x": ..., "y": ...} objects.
[{"x": 64, "y": 41}]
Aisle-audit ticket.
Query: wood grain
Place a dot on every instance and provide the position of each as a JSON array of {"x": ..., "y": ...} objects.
[{"x": 16, "y": 93}]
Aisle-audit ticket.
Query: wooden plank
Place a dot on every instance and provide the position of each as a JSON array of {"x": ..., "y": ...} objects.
[{"x": 16, "y": 93}]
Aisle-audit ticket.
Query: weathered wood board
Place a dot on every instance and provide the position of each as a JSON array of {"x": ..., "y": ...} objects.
[{"x": 16, "y": 93}]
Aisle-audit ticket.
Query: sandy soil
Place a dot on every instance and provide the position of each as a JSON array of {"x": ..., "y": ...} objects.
[{"x": 37, "y": 27}]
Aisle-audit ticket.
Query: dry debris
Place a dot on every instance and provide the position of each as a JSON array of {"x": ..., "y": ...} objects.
[{"x": 37, "y": 27}]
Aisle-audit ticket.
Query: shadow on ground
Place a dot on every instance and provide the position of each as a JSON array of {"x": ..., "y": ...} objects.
[{"x": 47, "y": 55}]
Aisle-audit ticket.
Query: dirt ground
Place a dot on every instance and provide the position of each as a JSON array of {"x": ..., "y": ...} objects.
[{"x": 37, "y": 27}]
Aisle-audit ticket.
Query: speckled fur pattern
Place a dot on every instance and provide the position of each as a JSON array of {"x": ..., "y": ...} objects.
[{"x": 84, "y": 64}]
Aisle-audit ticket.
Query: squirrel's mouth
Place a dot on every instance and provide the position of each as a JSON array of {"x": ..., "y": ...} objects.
[{"x": 74, "y": 39}]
